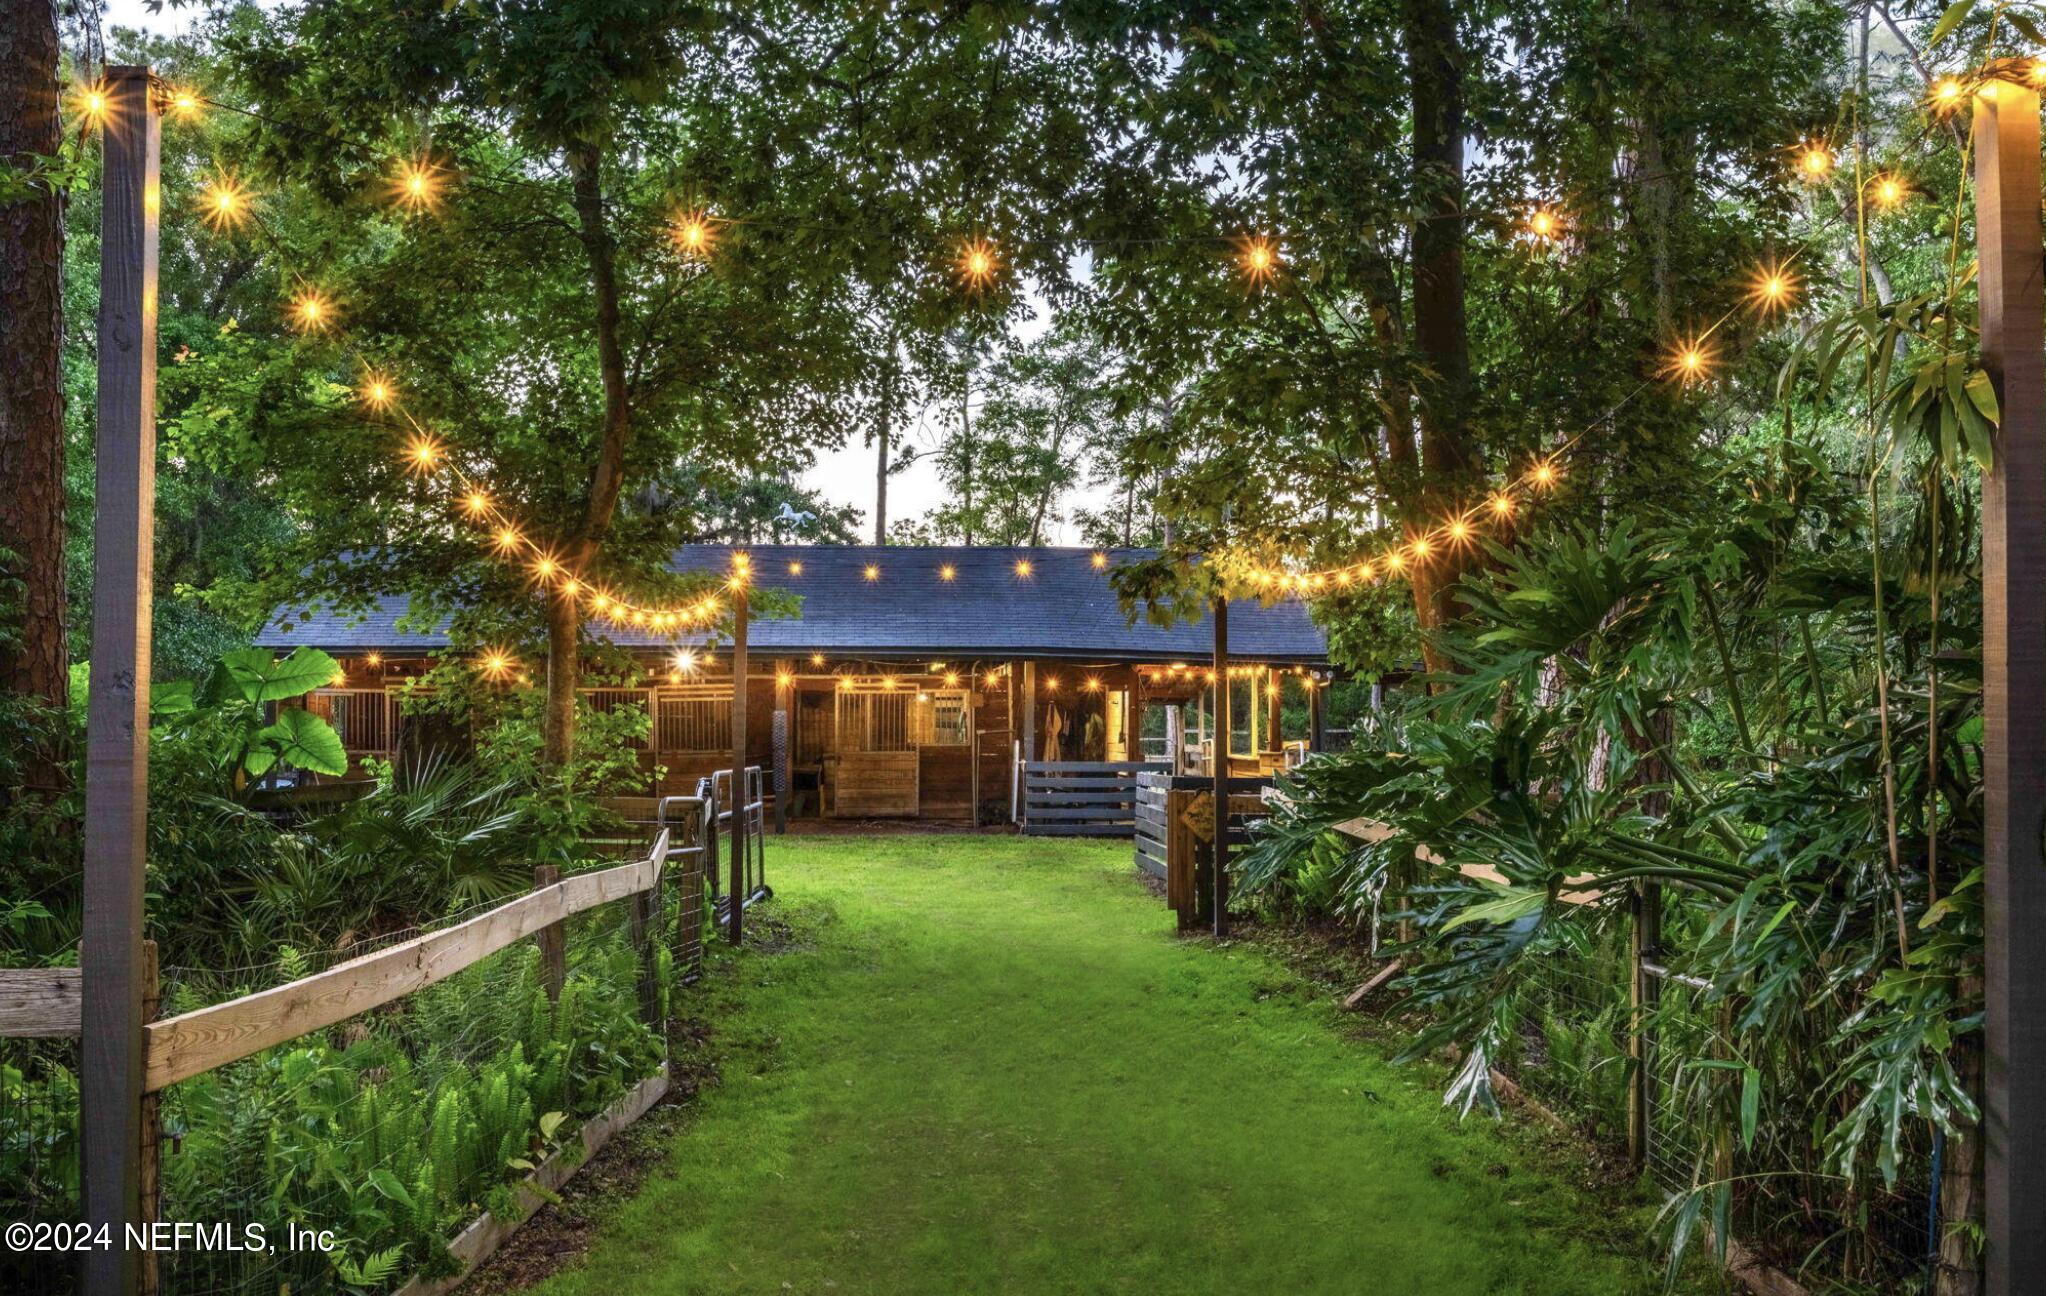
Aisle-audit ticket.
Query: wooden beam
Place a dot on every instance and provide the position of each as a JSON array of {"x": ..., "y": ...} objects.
[
  {"x": 117, "y": 713},
  {"x": 1220, "y": 772},
  {"x": 196, "y": 1042},
  {"x": 738, "y": 907},
  {"x": 1317, "y": 731},
  {"x": 1030, "y": 711},
  {"x": 2007, "y": 230},
  {"x": 39, "y": 1003},
  {"x": 1133, "y": 716},
  {"x": 1275, "y": 709}
]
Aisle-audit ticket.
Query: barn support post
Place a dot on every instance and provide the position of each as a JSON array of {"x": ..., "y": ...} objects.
[
  {"x": 735, "y": 928},
  {"x": 781, "y": 755},
  {"x": 1030, "y": 711},
  {"x": 1317, "y": 724},
  {"x": 1133, "y": 716},
  {"x": 117, "y": 723},
  {"x": 2008, "y": 234},
  {"x": 1275, "y": 708},
  {"x": 1221, "y": 767}
]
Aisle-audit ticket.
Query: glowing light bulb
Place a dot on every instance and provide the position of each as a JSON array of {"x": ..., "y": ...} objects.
[
  {"x": 1887, "y": 191},
  {"x": 1690, "y": 363},
  {"x": 224, "y": 204},
  {"x": 507, "y": 539},
  {"x": 1772, "y": 288},
  {"x": 311, "y": 312},
  {"x": 816, "y": 659},
  {"x": 1544, "y": 473},
  {"x": 872, "y": 572},
  {"x": 947, "y": 572},
  {"x": 416, "y": 185},
  {"x": 1815, "y": 162},
  {"x": 1544, "y": 225},
  {"x": 1946, "y": 92},
  {"x": 376, "y": 391},
  {"x": 1100, "y": 561},
  {"x": 1023, "y": 567},
  {"x": 475, "y": 504},
  {"x": 424, "y": 453},
  {"x": 795, "y": 569},
  {"x": 94, "y": 104},
  {"x": 685, "y": 661},
  {"x": 1502, "y": 505}
]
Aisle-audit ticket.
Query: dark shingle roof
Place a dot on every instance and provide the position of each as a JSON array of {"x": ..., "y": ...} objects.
[{"x": 1064, "y": 608}]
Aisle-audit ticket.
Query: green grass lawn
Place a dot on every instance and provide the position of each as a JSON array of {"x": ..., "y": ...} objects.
[{"x": 987, "y": 1065}]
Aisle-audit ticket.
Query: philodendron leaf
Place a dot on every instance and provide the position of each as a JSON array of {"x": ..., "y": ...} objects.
[
  {"x": 304, "y": 741},
  {"x": 1512, "y": 903},
  {"x": 259, "y": 677}
]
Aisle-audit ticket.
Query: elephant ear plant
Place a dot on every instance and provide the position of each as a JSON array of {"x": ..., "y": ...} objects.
[{"x": 235, "y": 708}]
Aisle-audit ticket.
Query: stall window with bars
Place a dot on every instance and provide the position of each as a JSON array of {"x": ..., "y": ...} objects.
[
  {"x": 900, "y": 719},
  {"x": 366, "y": 719},
  {"x": 694, "y": 718}
]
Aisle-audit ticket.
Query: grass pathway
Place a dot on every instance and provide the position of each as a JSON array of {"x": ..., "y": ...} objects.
[{"x": 988, "y": 1066}]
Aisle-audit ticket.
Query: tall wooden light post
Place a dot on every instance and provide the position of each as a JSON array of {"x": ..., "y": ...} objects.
[
  {"x": 117, "y": 715},
  {"x": 739, "y": 847},
  {"x": 2013, "y": 296}
]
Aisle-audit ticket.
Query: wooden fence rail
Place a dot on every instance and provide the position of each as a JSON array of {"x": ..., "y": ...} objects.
[
  {"x": 39, "y": 1003},
  {"x": 1082, "y": 798},
  {"x": 196, "y": 1042}
]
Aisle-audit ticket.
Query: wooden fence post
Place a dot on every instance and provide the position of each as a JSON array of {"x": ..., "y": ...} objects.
[
  {"x": 1220, "y": 853},
  {"x": 2008, "y": 234},
  {"x": 117, "y": 726},
  {"x": 552, "y": 939},
  {"x": 151, "y": 1149},
  {"x": 738, "y": 794}
]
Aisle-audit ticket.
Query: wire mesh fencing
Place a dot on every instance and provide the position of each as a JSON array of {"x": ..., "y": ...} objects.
[
  {"x": 350, "y": 1155},
  {"x": 1576, "y": 1054},
  {"x": 39, "y": 1181}
]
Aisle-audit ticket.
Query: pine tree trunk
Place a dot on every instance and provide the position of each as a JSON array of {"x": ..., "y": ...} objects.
[{"x": 32, "y": 639}]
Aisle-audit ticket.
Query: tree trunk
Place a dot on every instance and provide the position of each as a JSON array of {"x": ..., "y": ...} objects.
[
  {"x": 1960, "y": 1182},
  {"x": 32, "y": 640},
  {"x": 607, "y": 471},
  {"x": 1435, "y": 66},
  {"x": 1058, "y": 441},
  {"x": 882, "y": 435}
]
